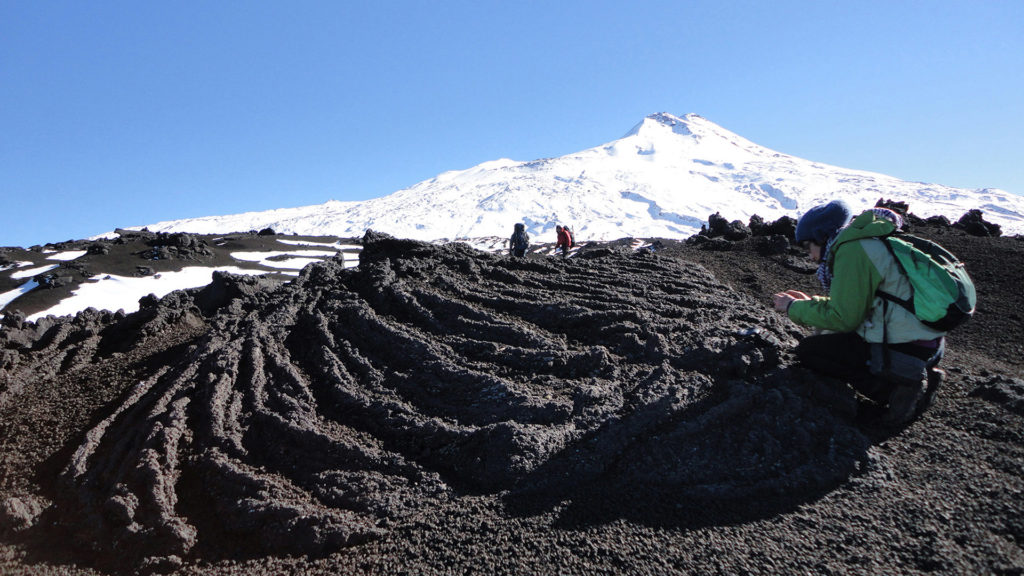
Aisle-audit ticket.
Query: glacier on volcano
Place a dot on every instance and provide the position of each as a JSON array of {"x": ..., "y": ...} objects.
[{"x": 660, "y": 180}]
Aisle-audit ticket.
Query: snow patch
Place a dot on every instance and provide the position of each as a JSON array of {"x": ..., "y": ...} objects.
[
  {"x": 12, "y": 295},
  {"x": 33, "y": 271},
  {"x": 14, "y": 265},
  {"x": 110, "y": 292},
  {"x": 335, "y": 245},
  {"x": 294, "y": 260},
  {"x": 67, "y": 256}
]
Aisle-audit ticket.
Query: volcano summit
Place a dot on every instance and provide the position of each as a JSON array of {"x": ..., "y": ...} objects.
[{"x": 661, "y": 180}]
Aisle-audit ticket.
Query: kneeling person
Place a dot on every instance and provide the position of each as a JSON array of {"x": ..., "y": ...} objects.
[{"x": 881, "y": 349}]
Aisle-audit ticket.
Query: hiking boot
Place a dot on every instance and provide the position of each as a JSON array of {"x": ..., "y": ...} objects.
[
  {"x": 935, "y": 378},
  {"x": 870, "y": 396},
  {"x": 836, "y": 396},
  {"x": 876, "y": 390},
  {"x": 903, "y": 403}
]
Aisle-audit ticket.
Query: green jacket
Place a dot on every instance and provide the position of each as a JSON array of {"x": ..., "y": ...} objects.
[{"x": 861, "y": 264}]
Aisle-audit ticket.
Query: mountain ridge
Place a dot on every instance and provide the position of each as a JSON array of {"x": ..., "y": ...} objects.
[{"x": 663, "y": 178}]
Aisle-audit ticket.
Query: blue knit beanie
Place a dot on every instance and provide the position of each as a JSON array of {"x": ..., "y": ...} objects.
[{"x": 821, "y": 222}]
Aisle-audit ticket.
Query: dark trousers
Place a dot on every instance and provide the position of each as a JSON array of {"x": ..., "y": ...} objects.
[{"x": 847, "y": 356}]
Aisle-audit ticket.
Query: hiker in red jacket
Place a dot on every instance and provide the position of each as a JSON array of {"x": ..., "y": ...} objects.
[{"x": 564, "y": 240}]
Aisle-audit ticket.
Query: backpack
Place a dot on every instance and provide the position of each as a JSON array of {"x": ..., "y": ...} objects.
[
  {"x": 942, "y": 294},
  {"x": 521, "y": 241}
]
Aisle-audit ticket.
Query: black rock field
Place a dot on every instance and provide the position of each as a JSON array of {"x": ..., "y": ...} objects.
[{"x": 443, "y": 410}]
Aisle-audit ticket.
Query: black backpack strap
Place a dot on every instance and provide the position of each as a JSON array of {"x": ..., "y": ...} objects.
[{"x": 886, "y": 360}]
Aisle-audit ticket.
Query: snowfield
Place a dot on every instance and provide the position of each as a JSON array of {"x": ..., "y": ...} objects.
[{"x": 661, "y": 180}]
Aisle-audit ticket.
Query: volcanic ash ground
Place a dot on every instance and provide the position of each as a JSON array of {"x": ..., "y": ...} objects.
[{"x": 306, "y": 417}]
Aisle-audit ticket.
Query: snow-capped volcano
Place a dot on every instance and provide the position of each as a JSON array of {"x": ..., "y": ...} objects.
[{"x": 662, "y": 179}]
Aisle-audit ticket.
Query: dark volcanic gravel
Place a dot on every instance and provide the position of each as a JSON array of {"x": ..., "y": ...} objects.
[{"x": 445, "y": 411}]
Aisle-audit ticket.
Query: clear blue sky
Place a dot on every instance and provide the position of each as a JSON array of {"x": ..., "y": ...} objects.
[{"x": 127, "y": 113}]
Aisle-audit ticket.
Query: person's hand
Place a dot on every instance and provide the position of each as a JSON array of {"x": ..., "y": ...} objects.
[{"x": 782, "y": 300}]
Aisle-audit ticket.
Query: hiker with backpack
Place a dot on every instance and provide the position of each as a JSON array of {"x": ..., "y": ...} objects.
[
  {"x": 564, "y": 239},
  {"x": 878, "y": 291},
  {"x": 519, "y": 242}
]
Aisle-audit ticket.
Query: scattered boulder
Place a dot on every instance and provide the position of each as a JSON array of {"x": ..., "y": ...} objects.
[
  {"x": 155, "y": 253},
  {"x": 901, "y": 208},
  {"x": 129, "y": 234},
  {"x": 719, "y": 226},
  {"x": 785, "y": 226},
  {"x": 773, "y": 245},
  {"x": 756, "y": 225},
  {"x": 98, "y": 249},
  {"x": 75, "y": 268},
  {"x": 148, "y": 302},
  {"x": 974, "y": 224},
  {"x": 178, "y": 240},
  {"x": 54, "y": 279},
  {"x": 176, "y": 246}
]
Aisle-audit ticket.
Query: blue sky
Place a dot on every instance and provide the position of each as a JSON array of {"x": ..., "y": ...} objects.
[{"x": 127, "y": 113}]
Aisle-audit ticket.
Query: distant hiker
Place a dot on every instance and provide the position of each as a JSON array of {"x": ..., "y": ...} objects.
[
  {"x": 883, "y": 350},
  {"x": 519, "y": 241},
  {"x": 564, "y": 240}
]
